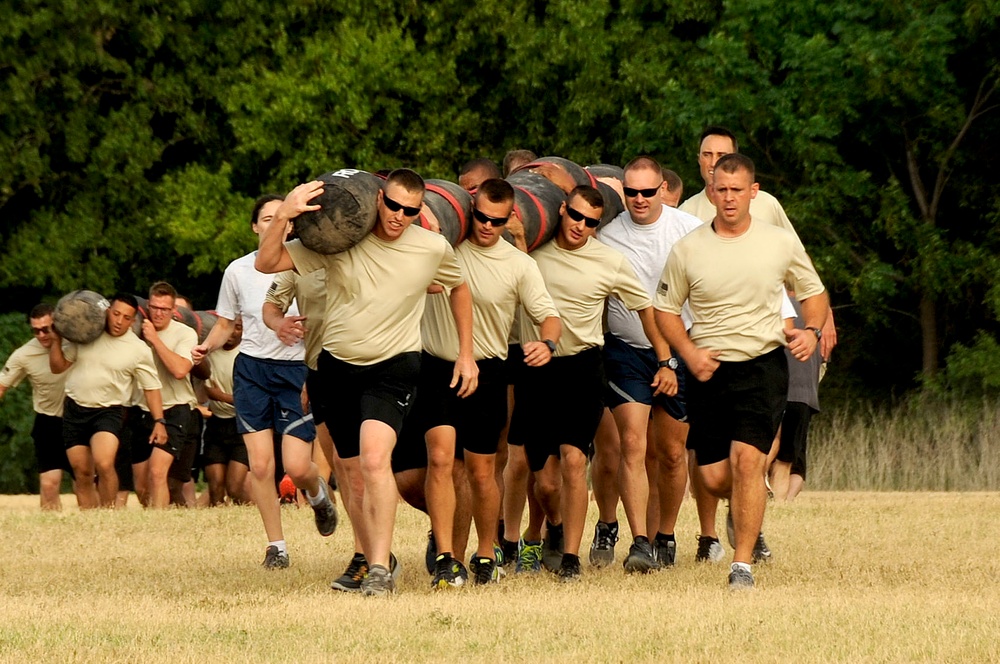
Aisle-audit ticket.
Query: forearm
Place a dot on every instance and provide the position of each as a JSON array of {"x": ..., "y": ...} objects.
[
  {"x": 551, "y": 328},
  {"x": 271, "y": 253},
  {"x": 273, "y": 315},
  {"x": 672, "y": 329},
  {"x": 656, "y": 339},
  {"x": 815, "y": 309},
  {"x": 179, "y": 367},
  {"x": 461, "y": 309},
  {"x": 220, "y": 333},
  {"x": 215, "y": 394},
  {"x": 57, "y": 361},
  {"x": 155, "y": 402}
]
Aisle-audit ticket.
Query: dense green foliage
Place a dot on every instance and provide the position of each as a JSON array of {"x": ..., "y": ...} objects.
[{"x": 135, "y": 134}]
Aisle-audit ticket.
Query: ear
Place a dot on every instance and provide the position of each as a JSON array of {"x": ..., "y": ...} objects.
[
  {"x": 754, "y": 188},
  {"x": 562, "y": 208}
]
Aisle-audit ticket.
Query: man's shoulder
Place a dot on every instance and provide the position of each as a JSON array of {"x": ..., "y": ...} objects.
[
  {"x": 616, "y": 226},
  {"x": 178, "y": 331},
  {"x": 420, "y": 236},
  {"x": 242, "y": 263},
  {"x": 678, "y": 217}
]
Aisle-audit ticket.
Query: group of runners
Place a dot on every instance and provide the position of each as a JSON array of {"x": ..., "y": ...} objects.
[{"x": 474, "y": 380}]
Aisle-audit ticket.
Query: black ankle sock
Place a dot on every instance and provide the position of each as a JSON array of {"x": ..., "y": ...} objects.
[{"x": 665, "y": 538}]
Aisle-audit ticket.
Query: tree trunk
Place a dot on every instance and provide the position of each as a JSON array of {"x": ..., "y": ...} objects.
[{"x": 928, "y": 333}]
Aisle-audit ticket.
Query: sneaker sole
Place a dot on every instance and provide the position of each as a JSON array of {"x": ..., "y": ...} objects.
[
  {"x": 340, "y": 587},
  {"x": 633, "y": 566}
]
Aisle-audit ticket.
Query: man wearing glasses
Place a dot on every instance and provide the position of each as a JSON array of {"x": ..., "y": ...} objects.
[
  {"x": 371, "y": 361},
  {"x": 31, "y": 361},
  {"x": 643, "y": 376},
  {"x": 558, "y": 406},
  {"x": 500, "y": 279}
]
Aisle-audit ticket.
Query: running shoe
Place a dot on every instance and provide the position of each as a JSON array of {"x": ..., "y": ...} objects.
[
  {"x": 325, "y": 511},
  {"x": 275, "y": 559},
  {"x": 602, "y": 549},
  {"x": 664, "y": 552},
  {"x": 350, "y": 580},
  {"x": 529, "y": 558},
  {"x": 446, "y": 573},
  {"x": 569, "y": 569},
  {"x": 552, "y": 547},
  {"x": 740, "y": 579},
  {"x": 484, "y": 570},
  {"x": 709, "y": 550},
  {"x": 378, "y": 582},
  {"x": 640, "y": 558},
  {"x": 761, "y": 551}
]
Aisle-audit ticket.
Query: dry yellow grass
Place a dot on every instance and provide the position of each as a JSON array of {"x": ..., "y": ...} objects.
[{"x": 856, "y": 577}]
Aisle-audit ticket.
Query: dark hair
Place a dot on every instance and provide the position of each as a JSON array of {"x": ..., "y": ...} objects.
[
  {"x": 590, "y": 195},
  {"x": 496, "y": 190},
  {"x": 715, "y": 130},
  {"x": 41, "y": 311},
  {"x": 643, "y": 162},
  {"x": 515, "y": 159},
  {"x": 486, "y": 165},
  {"x": 178, "y": 296},
  {"x": 734, "y": 161},
  {"x": 261, "y": 202},
  {"x": 127, "y": 298},
  {"x": 673, "y": 180},
  {"x": 161, "y": 288},
  {"x": 408, "y": 179}
]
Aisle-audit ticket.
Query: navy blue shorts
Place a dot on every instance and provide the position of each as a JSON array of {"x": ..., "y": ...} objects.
[
  {"x": 742, "y": 401},
  {"x": 630, "y": 371},
  {"x": 268, "y": 396}
]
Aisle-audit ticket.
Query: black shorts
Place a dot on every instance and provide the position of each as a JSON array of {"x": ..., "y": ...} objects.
[
  {"x": 354, "y": 393},
  {"x": 742, "y": 401},
  {"x": 560, "y": 403},
  {"x": 222, "y": 443},
  {"x": 478, "y": 419},
  {"x": 184, "y": 429},
  {"x": 50, "y": 452},
  {"x": 80, "y": 423},
  {"x": 314, "y": 388},
  {"x": 794, "y": 436},
  {"x": 410, "y": 451},
  {"x": 514, "y": 362}
]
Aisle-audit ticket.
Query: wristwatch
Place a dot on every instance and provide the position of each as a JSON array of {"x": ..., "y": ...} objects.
[
  {"x": 551, "y": 344},
  {"x": 161, "y": 420},
  {"x": 670, "y": 363},
  {"x": 817, "y": 332}
]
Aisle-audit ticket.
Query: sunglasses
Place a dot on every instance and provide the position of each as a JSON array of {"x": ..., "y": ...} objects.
[
  {"x": 579, "y": 216},
  {"x": 484, "y": 218},
  {"x": 646, "y": 193},
  {"x": 396, "y": 207},
  {"x": 41, "y": 330}
]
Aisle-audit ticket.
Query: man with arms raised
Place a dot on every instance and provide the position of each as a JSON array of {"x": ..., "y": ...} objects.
[
  {"x": 97, "y": 389},
  {"x": 31, "y": 361},
  {"x": 732, "y": 273},
  {"x": 559, "y": 405},
  {"x": 371, "y": 359},
  {"x": 643, "y": 374},
  {"x": 500, "y": 278}
]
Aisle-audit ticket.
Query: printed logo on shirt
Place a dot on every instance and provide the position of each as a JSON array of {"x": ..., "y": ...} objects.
[{"x": 662, "y": 288}]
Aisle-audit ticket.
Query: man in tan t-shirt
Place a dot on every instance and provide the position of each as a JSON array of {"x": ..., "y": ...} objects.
[
  {"x": 732, "y": 274},
  {"x": 371, "y": 341},
  {"x": 31, "y": 361},
  {"x": 100, "y": 383},
  {"x": 559, "y": 405},
  {"x": 501, "y": 278}
]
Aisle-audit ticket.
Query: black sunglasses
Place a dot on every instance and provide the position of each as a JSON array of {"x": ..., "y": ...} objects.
[
  {"x": 41, "y": 330},
  {"x": 484, "y": 218},
  {"x": 646, "y": 193},
  {"x": 396, "y": 207},
  {"x": 579, "y": 216}
]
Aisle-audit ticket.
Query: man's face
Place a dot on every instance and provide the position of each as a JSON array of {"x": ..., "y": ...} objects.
[
  {"x": 643, "y": 208},
  {"x": 120, "y": 316},
  {"x": 236, "y": 336},
  {"x": 484, "y": 215},
  {"x": 391, "y": 223},
  {"x": 732, "y": 193},
  {"x": 161, "y": 310},
  {"x": 713, "y": 148},
  {"x": 41, "y": 328},
  {"x": 671, "y": 198},
  {"x": 471, "y": 180},
  {"x": 573, "y": 233},
  {"x": 265, "y": 216}
]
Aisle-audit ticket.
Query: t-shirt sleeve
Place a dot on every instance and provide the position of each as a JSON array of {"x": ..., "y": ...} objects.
[
  {"x": 185, "y": 341},
  {"x": 628, "y": 289},
  {"x": 14, "y": 370},
  {"x": 69, "y": 351},
  {"x": 533, "y": 295},
  {"x": 802, "y": 274},
  {"x": 787, "y": 308},
  {"x": 672, "y": 291},
  {"x": 282, "y": 290},
  {"x": 449, "y": 273},
  {"x": 228, "y": 305},
  {"x": 145, "y": 371}
]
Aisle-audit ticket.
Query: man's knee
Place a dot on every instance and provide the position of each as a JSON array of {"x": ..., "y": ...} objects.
[{"x": 747, "y": 461}]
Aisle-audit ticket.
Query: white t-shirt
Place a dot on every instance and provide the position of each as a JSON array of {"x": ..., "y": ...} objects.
[
  {"x": 646, "y": 246},
  {"x": 242, "y": 294}
]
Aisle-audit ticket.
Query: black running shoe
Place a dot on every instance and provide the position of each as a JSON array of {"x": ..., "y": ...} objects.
[
  {"x": 602, "y": 549},
  {"x": 325, "y": 512},
  {"x": 552, "y": 548},
  {"x": 350, "y": 580},
  {"x": 761, "y": 552},
  {"x": 484, "y": 570},
  {"x": 569, "y": 569},
  {"x": 430, "y": 554},
  {"x": 509, "y": 552},
  {"x": 709, "y": 550},
  {"x": 664, "y": 551},
  {"x": 275, "y": 559},
  {"x": 740, "y": 579},
  {"x": 446, "y": 573},
  {"x": 640, "y": 558}
]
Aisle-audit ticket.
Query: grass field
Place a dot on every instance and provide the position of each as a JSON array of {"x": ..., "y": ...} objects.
[{"x": 855, "y": 577}]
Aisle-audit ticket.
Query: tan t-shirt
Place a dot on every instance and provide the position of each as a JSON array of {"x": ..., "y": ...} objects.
[
  {"x": 579, "y": 282},
  {"x": 179, "y": 338},
  {"x": 735, "y": 286},
  {"x": 308, "y": 291},
  {"x": 500, "y": 277},
  {"x": 376, "y": 292},
  {"x": 31, "y": 361},
  {"x": 764, "y": 207},
  {"x": 221, "y": 363},
  {"x": 104, "y": 370}
]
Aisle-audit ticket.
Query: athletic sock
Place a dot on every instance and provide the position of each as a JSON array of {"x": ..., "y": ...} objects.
[
  {"x": 642, "y": 538},
  {"x": 744, "y": 566},
  {"x": 568, "y": 558},
  {"x": 282, "y": 547},
  {"x": 318, "y": 498},
  {"x": 660, "y": 537}
]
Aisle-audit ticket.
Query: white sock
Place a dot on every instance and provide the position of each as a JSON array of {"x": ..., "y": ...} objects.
[
  {"x": 319, "y": 497},
  {"x": 282, "y": 547},
  {"x": 744, "y": 566}
]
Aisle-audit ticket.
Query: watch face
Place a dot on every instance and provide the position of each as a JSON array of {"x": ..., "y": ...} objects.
[{"x": 672, "y": 363}]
